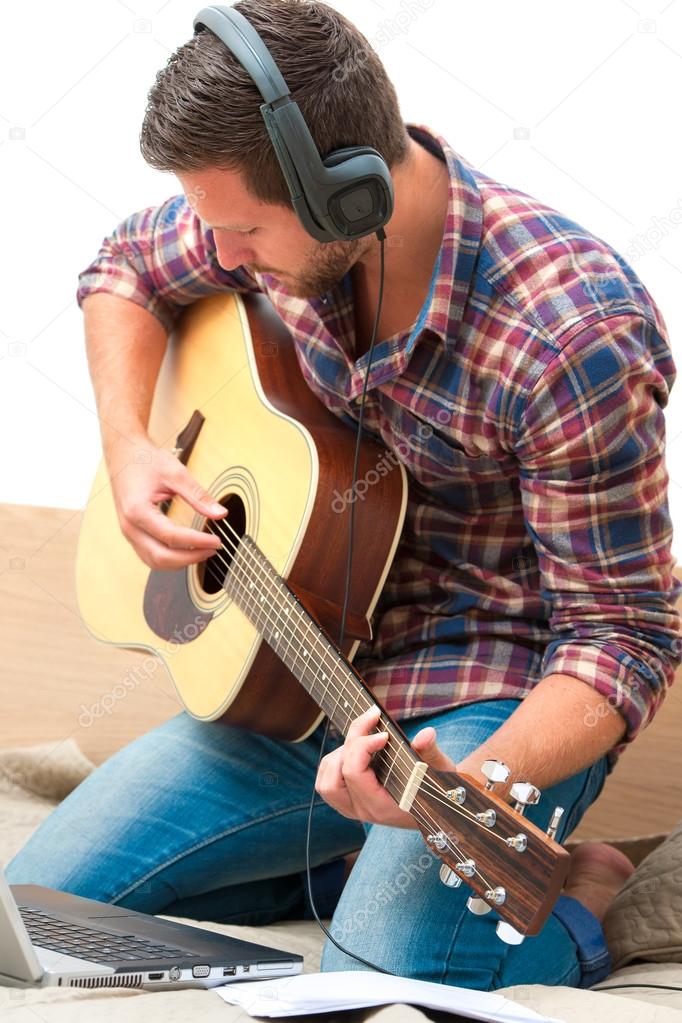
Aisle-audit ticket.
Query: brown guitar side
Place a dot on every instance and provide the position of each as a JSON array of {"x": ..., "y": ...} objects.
[{"x": 271, "y": 701}]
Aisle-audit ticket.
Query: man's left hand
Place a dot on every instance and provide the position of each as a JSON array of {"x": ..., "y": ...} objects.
[{"x": 347, "y": 782}]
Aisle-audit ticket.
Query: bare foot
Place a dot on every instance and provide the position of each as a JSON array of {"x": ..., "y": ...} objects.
[{"x": 597, "y": 873}]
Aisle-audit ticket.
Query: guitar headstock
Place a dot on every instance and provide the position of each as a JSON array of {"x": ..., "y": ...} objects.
[{"x": 512, "y": 865}]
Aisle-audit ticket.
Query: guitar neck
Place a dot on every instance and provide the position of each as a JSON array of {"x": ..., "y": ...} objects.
[
  {"x": 476, "y": 834},
  {"x": 317, "y": 664}
]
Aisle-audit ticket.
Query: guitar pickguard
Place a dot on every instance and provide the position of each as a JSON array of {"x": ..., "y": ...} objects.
[{"x": 169, "y": 609}]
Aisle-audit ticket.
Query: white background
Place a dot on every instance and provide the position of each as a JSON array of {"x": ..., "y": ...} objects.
[{"x": 575, "y": 103}]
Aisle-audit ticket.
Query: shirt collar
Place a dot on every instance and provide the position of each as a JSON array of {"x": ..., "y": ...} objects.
[
  {"x": 460, "y": 246},
  {"x": 451, "y": 279}
]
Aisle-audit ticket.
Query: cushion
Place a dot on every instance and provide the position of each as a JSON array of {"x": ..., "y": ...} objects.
[{"x": 644, "y": 922}]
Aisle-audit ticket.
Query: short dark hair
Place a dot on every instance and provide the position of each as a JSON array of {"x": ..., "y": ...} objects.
[{"x": 203, "y": 109}]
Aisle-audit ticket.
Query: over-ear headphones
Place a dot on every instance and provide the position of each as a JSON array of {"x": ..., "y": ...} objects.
[{"x": 347, "y": 195}]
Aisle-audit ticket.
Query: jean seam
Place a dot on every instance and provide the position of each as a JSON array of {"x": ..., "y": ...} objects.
[
  {"x": 600, "y": 959},
  {"x": 202, "y": 845},
  {"x": 594, "y": 963}
]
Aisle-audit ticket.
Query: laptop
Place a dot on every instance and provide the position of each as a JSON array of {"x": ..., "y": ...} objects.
[{"x": 51, "y": 938}]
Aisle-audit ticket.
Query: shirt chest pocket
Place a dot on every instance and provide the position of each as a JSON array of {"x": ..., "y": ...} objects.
[{"x": 431, "y": 454}]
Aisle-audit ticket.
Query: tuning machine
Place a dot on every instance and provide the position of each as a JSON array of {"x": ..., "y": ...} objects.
[
  {"x": 555, "y": 821},
  {"x": 454, "y": 880},
  {"x": 449, "y": 878},
  {"x": 508, "y": 934},
  {"x": 493, "y": 897},
  {"x": 479, "y": 907},
  {"x": 495, "y": 771},
  {"x": 524, "y": 795}
]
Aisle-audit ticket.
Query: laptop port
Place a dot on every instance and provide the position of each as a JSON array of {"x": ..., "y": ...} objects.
[
  {"x": 229, "y": 971},
  {"x": 156, "y": 976}
]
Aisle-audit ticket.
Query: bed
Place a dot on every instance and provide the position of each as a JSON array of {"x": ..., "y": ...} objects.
[{"x": 33, "y": 779}]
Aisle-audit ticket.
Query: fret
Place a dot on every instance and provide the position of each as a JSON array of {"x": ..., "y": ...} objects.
[
  {"x": 294, "y": 636},
  {"x": 384, "y": 766}
]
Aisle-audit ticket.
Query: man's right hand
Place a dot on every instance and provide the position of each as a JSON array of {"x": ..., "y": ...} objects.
[{"x": 141, "y": 479}]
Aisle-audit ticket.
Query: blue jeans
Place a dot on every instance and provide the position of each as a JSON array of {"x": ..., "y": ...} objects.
[{"x": 204, "y": 821}]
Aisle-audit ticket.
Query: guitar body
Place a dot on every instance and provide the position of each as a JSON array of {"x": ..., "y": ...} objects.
[{"x": 271, "y": 452}]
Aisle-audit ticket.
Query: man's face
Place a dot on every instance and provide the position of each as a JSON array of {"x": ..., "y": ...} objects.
[{"x": 266, "y": 238}]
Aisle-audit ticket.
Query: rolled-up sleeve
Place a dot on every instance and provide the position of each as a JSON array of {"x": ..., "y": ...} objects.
[
  {"x": 163, "y": 258},
  {"x": 591, "y": 448}
]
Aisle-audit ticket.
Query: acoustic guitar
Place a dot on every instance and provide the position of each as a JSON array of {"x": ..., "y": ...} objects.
[{"x": 248, "y": 636}]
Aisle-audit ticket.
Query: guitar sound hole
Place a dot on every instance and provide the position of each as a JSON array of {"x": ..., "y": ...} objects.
[{"x": 230, "y": 529}]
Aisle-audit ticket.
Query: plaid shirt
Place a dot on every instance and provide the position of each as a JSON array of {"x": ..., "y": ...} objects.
[{"x": 526, "y": 403}]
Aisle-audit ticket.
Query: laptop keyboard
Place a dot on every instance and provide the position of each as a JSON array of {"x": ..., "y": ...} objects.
[{"x": 87, "y": 943}]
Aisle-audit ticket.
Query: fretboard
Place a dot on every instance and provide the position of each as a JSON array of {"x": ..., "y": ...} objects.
[{"x": 312, "y": 658}]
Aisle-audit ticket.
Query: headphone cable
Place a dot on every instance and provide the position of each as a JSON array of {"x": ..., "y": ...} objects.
[{"x": 382, "y": 238}]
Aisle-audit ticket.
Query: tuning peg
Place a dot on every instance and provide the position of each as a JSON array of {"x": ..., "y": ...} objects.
[
  {"x": 439, "y": 839},
  {"x": 487, "y": 817},
  {"x": 448, "y": 877},
  {"x": 496, "y": 895},
  {"x": 508, "y": 933},
  {"x": 479, "y": 907},
  {"x": 555, "y": 821},
  {"x": 467, "y": 867},
  {"x": 495, "y": 771},
  {"x": 525, "y": 795}
]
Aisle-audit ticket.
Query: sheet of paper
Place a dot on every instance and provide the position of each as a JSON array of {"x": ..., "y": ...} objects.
[{"x": 355, "y": 989}]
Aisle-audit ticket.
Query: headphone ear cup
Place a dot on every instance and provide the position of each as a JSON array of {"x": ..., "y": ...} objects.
[
  {"x": 361, "y": 198},
  {"x": 338, "y": 156}
]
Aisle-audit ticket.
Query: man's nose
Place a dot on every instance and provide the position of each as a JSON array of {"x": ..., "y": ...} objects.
[{"x": 233, "y": 253}]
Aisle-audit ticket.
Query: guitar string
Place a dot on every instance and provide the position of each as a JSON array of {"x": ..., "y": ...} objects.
[
  {"x": 425, "y": 820},
  {"x": 316, "y": 637},
  {"x": 311, "y": 634},
  {"x": 425, "y": 784},
  {"x": 437, "y": 789},
  {"x": 282, "y": 626},
  {"x": 243, "y": 551}
]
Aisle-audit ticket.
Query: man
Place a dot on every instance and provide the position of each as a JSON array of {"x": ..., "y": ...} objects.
[{"x": 520, "y": 372}]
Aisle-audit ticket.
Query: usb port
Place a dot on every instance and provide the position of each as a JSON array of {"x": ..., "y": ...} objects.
[
  {"x": 156, "y": 976},
  {"x": 229, "y": 971},
  {"x": 246, "y": 969}
]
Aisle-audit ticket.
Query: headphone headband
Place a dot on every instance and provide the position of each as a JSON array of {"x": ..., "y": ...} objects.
[{"x": 240, "y": 36}]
